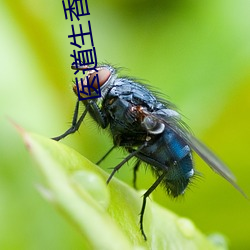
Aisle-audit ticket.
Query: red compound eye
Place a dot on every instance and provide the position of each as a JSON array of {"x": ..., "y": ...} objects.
[{"x": 103, "y": 76}]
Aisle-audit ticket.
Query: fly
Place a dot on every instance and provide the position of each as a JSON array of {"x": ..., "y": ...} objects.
[{"x": 149, "y": 128}]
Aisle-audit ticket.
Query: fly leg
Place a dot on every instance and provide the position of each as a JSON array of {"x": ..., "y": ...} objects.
[
  {"x": 136, "y": 167},
  {"x": 105, "y": 155},
  {"x": 95, "y": 112},
  {"x": 145, "y": 196},
  {"x": 75, "y": 124},
  {"x": 132, "y": 154}
]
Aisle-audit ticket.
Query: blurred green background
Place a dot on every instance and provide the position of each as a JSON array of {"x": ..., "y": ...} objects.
[{"x": 197, "y": 53}]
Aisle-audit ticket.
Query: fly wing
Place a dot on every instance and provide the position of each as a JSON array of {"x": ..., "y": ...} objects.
[
  {"x": 207, "y": 155},
  {"x": 174, "y": 123}
]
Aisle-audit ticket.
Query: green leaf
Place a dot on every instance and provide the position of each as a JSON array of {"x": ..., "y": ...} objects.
[{"x": 106, "y": 215}]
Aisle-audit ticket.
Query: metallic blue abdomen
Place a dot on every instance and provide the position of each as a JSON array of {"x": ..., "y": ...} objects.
[{"x": 168, "y": 153}]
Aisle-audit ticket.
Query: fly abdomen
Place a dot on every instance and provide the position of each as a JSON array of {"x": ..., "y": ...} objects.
[
  {"x": 178, "y": 176},
  {"x": 180, "y": 166},
  {"x": 177, "y": 147}
]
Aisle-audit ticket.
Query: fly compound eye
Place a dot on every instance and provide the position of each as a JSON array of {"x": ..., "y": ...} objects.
[
  {"x": 103, "y": 75},
  {"x": 153, "y": 126}
]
